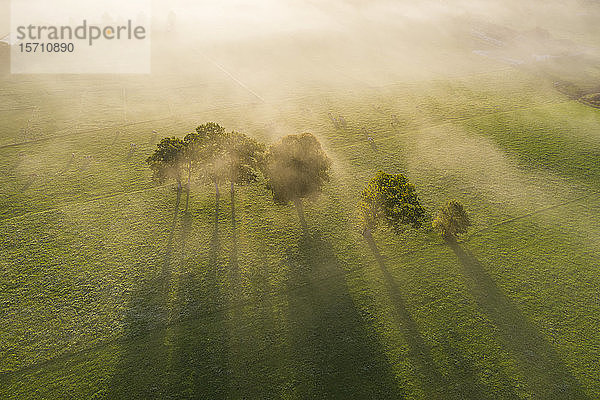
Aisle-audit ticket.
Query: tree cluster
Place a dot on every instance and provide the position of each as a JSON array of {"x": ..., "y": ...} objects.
[
  {"x": 391, "y": 199},
  {"x": 294, "y": 168}
]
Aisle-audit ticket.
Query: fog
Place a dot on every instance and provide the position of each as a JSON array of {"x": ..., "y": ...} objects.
[
  {"x": 272, "y": 47},
  {"x": 221, "y": 54},
  {"x": 460, "y": 96}
]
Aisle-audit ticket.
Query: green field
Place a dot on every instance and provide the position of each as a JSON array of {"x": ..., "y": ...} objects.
[{"x": 109, "y": 291}]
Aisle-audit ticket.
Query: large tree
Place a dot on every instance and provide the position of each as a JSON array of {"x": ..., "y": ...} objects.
[
  {"x": 393, "y": 200},
  {"x": 204, "y": 153},
  {"x": 296, "y": 167},
  {"x": 242, "y": 156},
  {"x": 452, "y": 220},
  {"x": 167, "y": 162}
]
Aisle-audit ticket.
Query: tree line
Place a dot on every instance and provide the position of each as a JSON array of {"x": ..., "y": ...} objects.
[{"x": 294, "y": 168}]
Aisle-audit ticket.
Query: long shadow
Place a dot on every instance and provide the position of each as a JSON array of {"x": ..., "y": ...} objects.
[
  {"x": 335, "y": 354},
  {"x": 186, "y": 228},
  {"x": 233, "y": 260},
  {"x": 175, "y": 341},
  {"x": 464, "y": 373},
  {"x": 144, "y": 327},
  {"x": 140, "y": 371},
  {"x": 166, "y": 268},
  {"x": 434, "y": 383},
  {"x": 300, "y": 211},
  {"x": 199, "y": 357},
  {"x": 215, "y": 245},
  {"x": 255, "y": 355},
  {"x": 255, "y": 337},
  {"x": 420, "y": 353},
  {"x": 547, "y": 375},
  {"x": 198, "y": 361}
]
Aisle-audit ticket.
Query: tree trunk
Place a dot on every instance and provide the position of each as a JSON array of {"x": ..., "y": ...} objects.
[
  {"x": 178, "y": 192},
  {"x": 232, "y": 190},
  {"x": 217, "y": 196},
  {"x": 187, "y": 199},
  {"x": 300, "y": 211},
  {"x": 367, "y": 234},
  {"x": 178, "y": 200}
]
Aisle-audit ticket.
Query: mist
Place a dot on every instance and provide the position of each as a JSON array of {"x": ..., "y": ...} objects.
[
  {"x": 269, "y": 50},
  {"x": 112, "y": 284}
]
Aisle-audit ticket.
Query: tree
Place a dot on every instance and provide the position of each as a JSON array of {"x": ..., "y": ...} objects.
[
  {"x": 204, "y": 153},
  {"x": 167, "y": 161},
  {"x": 242, "y": 158},
  {"x": 296, "y": 167},
  {"x": 392, "y": 199},
  {"x": 452, "y": 220}
]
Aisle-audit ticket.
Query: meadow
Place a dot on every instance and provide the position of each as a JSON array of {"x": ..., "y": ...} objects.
[{"x": 107, "y": 290}]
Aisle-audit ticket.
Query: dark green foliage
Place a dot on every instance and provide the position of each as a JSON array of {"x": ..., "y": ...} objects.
[
  {"x": 451, "y": 220},
  {"x": 205, "y": 148},
  {"x": 242, "y": 158},
  {"x": 167, "y": 160},
  {"x": 393, "y": 199},
  {"x": 211, "y": 153},
  {"x": 296, "y": 167}
]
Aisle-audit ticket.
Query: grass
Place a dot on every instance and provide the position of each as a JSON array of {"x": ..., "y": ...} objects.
[{"x": 108, "y": 291}]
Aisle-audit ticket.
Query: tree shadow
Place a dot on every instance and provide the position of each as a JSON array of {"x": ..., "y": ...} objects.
[
  {"x": 419, "y": 352},
  {"x": 300, "y": 211},
  {"x": 166, "y": 267},
  {"x": 215, "y": 244},
  {"x": 198, "y": 359},
  {"x": 336, "y": 355},
  {"x": 186, "y": 228},
  {"x": 463, "y": 376},
  {"x": 175, "y": 343},
  {"x": 254, "y": 357},
  {"x": 233, "y": 260},
  {"x": 140, "y": 371},
  {"x": 546, "y": 374},
  {"x": 436, "y": 385},
  {"x": 256, "y": 353}
]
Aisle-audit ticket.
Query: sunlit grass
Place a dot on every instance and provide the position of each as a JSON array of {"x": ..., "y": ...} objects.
[{"x": 108, "y": 292}]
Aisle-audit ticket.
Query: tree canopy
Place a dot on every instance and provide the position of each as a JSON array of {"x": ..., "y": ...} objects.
[
  {"x": 296, "y": 167},
  {"x": 204, "y": 147},
  {"x": 452, "y": 220},
  {"x": 392, "y": 199},
  {"x": 243, "y": 157},
  {"x": 167, "y": 160},
  {"x": 211, "y": 154}
]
